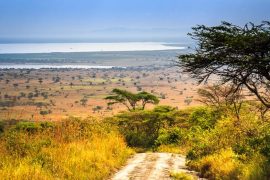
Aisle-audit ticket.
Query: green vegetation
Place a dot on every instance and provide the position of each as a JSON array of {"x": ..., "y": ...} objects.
[
  {"x": 131, "y": 100},
  {"x": 84, "y": 101},
  {"x": 181, "y": 176},
  {"x": 238, "y": 56},
  {"x": 218, "y": 144},
  {"x": 233, "y": 142},
  {"x": 142, "y": 128},
  {"x": 71, "y": 149},
  {"x": 232, "y": 145},
  {"x": 226, "y": 138}
]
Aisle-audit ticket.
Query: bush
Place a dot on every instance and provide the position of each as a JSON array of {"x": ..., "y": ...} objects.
[
  {"x": 242, "y": 143},
  {"x": 256, "y": 168},
  {"x": 27, "y": 126},
  {"x": 16, "y": 143},
  {"x": 204, "y": 117},
  {"x": 181, "y": 176},
  {"x": 2, "y": 126},
  {"x": 264, "y": 143},
  {"x": 170, "y": 136},
  {"x": 221, "y": 165},
  {"x": 45, "y": 112},
  {"x": 33, "y": 127},
  {"x": 141, "y": 128}
]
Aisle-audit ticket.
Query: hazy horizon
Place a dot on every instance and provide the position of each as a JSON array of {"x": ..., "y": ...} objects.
[{"x": 119, "y": 20}]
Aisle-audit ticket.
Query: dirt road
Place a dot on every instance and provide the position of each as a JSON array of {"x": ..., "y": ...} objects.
[{"x": 152, "y": 166}]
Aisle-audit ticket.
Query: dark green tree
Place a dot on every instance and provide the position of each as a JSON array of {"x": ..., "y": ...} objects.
[
  {"x": 40, "y": 80},
  {"x": 84, "y": 101},
  {"x": 239, "y": 56},
  {"x": 131, "y": 100},
  {"x": 147, "y": 98},
  {"x": 124, "y": 97}
]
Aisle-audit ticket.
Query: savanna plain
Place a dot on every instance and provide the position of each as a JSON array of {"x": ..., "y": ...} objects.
[{"x": 75, "y": 124}]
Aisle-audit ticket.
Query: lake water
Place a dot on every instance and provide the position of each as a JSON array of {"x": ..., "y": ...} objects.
[
  {"x": 86, "y": 55},
  {"x": 48, "y": 66},
  {"x": 84, "y": 47}
]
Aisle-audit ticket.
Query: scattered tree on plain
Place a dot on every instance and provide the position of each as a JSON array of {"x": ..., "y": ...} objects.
[{"x": 131, "y": 100}]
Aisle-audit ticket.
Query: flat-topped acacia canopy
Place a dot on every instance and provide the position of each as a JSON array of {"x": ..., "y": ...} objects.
[{"x": 236, "y": 55}]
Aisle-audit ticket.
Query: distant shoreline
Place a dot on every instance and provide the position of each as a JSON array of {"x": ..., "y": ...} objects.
[
  {"x": 46, "y": 66},
  {"x": 18, "y": 48}
]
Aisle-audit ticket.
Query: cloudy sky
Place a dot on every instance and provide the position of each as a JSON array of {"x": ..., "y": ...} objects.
[{"x": 120, "y": 19}]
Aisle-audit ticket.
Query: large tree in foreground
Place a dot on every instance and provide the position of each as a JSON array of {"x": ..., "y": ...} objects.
[{"x": 235, "y": 55}]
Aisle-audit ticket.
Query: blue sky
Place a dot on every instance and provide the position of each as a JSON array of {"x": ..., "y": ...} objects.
[{"x": 121, "y": 19}]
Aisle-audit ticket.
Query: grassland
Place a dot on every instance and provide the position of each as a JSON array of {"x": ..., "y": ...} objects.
[
  {"x": 52, "y": 95},
  {"x": 39, "y": 141},
  {"x": 72, "y": 149}
]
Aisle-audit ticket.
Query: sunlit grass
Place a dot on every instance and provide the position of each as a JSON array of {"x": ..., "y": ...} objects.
[
  {"x": 73, "y": 150},
  {"x": 181, "y": 176}
]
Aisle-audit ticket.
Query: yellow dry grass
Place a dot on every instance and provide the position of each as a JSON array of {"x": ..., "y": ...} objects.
[{"x": 67, "y": 152}]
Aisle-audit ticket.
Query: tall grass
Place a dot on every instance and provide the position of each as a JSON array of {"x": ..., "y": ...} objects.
[
  {"x": 233, "y": 148},
  {"x": 72, "y": 149}
]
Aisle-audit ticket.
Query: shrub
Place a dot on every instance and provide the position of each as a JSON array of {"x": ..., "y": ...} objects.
[
  {"x": 27, "y": 126},
  {"x": 221, "y": 165},
  {"x": 181, "y": 176},
  {"x": 2, "y": 126},
  {"x": 242, "y": 141},
  {"x": 256, "y": 168},
  {"x": 33, "y": 127},
  {"x": 203, "y": 117},
  {"x": 45, "y": 112},
  {"x": 16, "y": 143},
  {"x": 170, "y": 136},
  {"x": 142, "y": 128}
]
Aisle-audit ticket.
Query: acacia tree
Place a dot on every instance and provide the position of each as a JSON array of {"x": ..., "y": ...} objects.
[
  {"x": 222, "y": 97},
  {"x": 84, "y": 101},
  {"x": 235, "y": 55},
  {"x": 131, "y": 100},
  {"x": 124, "y": 97},
  {"x": 147, "y": 98}
]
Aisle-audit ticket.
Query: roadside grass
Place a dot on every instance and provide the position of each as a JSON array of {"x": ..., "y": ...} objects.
[
  {"x": 72, "y": 149},
  {"x": 172, "y": 148},
  {"x": 216, "y": 143},
  {"x": 181, "y": 176}
]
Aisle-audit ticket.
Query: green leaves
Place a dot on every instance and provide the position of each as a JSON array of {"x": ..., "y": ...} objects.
[
  {"x": 142, "y": 128},
  {"x": 232, "y": 54},
  {"x": 146, "y": 97},
  {"x": 131, "y": 100}
]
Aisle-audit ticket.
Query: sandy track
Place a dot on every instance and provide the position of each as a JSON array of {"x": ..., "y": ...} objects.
[{"x": 152, "y": 166}]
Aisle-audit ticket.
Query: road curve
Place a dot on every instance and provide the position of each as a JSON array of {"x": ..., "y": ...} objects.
[{"x": 152, "y": 166}]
